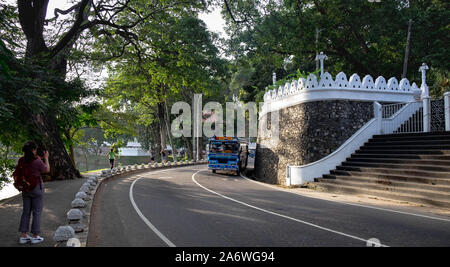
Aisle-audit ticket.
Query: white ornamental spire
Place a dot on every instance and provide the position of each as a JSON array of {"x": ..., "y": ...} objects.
[
  {"x": 423, "y": 69},
  {"x": 321, "y": 57}
]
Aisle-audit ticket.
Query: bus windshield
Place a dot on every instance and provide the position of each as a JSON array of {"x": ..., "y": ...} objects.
[{"x": 224, "y": 148}]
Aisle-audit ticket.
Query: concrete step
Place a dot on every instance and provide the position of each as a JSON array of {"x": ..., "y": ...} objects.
[
  {"x": 445, "y": 189},
  {"x": 391, "y": 142},
  {"x": 364, "y": 150},
  {"x": 352, "y": 189},
  {"x": 421, "y": 134},
  {"x": 432, "y": 194},
  {"x": 378, "y": 146},
  {"x": 396, "y": 171},
  {"x": 421, "y": 166},
  {"x": 382, "y": 138},
  {"x": 412, "y": 167},
  {"x": 401, "y": 156},
  {"x": 428, "y": 162},
  {"x": 394, "y": 177}
]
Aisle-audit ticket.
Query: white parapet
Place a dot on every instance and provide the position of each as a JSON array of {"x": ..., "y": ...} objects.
[{"x": 327, "y": 88}]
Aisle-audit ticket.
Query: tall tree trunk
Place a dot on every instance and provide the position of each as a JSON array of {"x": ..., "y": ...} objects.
[
  {"x": 157, "y": 141},
  {"x": 169, "y": 134},
  {"x": 86, "y": 160},
  {"x": 61, "y": 166},
  {"x": 32, "y": 14},
  {"x": 200, "y": 148},
  {"x": 71, "y": 151},
  {"x": 189, "y": 147},
  {"x": 72, "y": 155},
  {"x": 408, "y": 43},
  {"x": 162, "y": 129}
]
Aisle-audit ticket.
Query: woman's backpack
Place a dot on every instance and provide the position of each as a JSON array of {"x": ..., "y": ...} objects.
[{"x": 24, "y": 180}]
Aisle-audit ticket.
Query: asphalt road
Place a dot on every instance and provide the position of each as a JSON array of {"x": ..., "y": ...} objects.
[{"x": 192, "y": 207}]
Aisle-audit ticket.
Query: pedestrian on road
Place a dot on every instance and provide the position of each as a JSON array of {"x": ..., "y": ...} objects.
[
  {"x": 152, "y": 157},
  {"x": 33, "y": 200},
  {"x": 112, "y": 158}
]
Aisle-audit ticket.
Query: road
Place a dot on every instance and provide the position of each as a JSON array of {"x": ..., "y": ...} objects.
[{"x": 192, "y": 207}]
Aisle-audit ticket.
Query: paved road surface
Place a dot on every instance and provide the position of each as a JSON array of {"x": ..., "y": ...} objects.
[{"x": 191, "y": 206}]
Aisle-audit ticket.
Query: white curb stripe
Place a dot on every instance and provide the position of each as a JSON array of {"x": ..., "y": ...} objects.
[
  {"x": 281, "y": 215},
  {"x": 146, "y": 221},
  {"x": 351, "y": 204}
]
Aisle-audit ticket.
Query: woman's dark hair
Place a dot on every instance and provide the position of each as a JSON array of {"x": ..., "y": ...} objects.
[{"x": 28, "y": 150}]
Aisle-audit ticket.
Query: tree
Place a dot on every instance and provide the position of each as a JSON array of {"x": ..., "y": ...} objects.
[
  {"x": 175, "y": 59},
  {"x": 47, "y": 56},
  {"x": 358, "y": 36}
]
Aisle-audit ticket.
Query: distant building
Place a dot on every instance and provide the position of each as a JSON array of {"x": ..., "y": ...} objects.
[{"x": 133, "y": 148}]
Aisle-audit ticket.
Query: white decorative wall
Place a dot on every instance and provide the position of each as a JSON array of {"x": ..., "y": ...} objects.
[{"x": 327, "y": 88}]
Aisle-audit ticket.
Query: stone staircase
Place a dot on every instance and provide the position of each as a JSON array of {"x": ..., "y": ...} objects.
[{"x": 410, "y": 167}]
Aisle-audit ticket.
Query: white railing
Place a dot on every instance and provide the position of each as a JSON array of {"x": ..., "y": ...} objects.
[
  {"x": 402, "y": 118},
  {"x": 407, "y": 115},
  {"x": 447, "y": 110},
  {"x": 390, "y": 109}
]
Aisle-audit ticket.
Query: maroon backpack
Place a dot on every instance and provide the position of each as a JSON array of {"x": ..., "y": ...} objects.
[{"x": 24, "y": 180}]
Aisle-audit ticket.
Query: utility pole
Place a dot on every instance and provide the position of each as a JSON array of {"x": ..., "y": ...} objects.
[{"x": 408, "y": 41}]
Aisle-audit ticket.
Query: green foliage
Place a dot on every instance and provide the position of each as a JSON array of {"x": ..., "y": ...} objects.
[
  {"x": 293, "y": 76},
  {"x": 174, "y": 58},
  {"x": 7, "y": 163},
  {"x": 358, "y": 36}
]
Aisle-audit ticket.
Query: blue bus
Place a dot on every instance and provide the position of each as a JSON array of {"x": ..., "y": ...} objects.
[{"x": 227, "y": 154}]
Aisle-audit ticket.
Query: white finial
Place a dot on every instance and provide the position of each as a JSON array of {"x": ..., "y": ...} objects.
[
  {"x": 423, "y": 69},
  {"x": 321, "y": 57},
  {"x": 274, "y": 78}
]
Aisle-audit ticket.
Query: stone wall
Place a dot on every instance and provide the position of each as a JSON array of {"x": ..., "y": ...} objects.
[{"x": 307, "y": 133}]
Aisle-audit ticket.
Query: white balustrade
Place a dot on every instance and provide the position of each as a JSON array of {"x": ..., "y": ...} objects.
[
  {"x": 409, "y": 113},
  {"x": 447, "y": 110},
  {"x": 326, "y": 88},
  {"x": 401, "y": 118}
]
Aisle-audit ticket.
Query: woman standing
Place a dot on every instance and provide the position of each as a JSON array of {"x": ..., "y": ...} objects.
[
  {"x": 33, "y": 199},
  {"x": 112, "y": 158}
]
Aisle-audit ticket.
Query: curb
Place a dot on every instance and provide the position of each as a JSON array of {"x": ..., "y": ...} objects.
[{"x": 75, "y": 233}]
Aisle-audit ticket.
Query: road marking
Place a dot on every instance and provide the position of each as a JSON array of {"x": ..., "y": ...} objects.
[
  {"x": 141, "y": 215},
  {"x": 280, "y": 215},
  {"x": 351, "y": 204}
]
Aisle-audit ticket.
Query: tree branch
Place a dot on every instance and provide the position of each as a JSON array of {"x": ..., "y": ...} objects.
[
  {"x": 231, "y": 14},
  {"x": 74, "y": 30}
]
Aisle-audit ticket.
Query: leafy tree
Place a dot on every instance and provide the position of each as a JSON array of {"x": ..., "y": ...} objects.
[
  {"x": 175, "y": 59},
  {"x": 36, "y": 83},
  {"x": 358, "y": 36}
]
